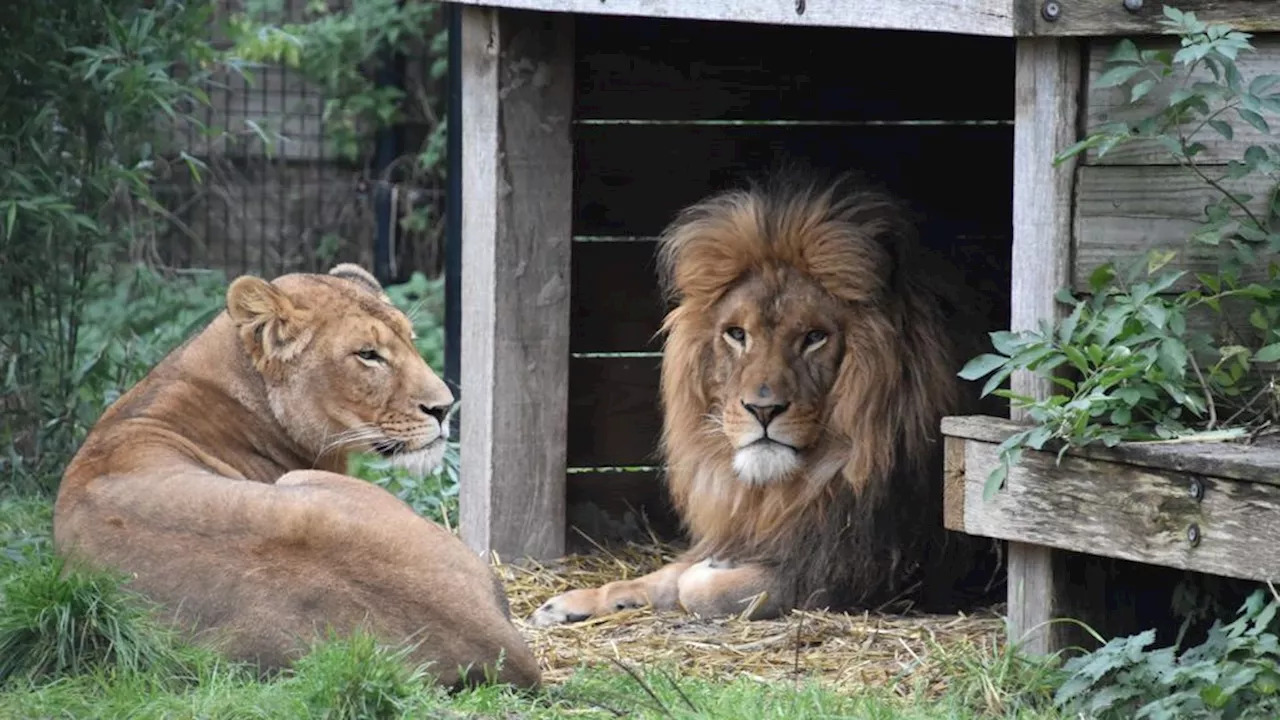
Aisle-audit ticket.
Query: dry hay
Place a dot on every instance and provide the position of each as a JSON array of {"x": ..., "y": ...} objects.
[{"x": 843, "y": 651}]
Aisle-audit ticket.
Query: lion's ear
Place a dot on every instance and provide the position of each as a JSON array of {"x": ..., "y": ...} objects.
[
  {"x": 357, "y": 274},
  {"x": 271, "y": 326}
]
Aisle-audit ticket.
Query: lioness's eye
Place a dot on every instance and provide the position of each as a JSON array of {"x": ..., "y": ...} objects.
[
  {"x": 369, "y": 355},
  {"x": 813, "y": 337},
  {"x": 736, "y": 334}
]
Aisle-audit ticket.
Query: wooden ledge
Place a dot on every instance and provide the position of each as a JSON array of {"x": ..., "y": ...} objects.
[{"x": 1208, "y": 507}]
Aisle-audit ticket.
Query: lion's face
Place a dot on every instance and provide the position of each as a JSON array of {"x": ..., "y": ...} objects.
[
  {"x": 340, "y": 367},
  {"x": 777, "y": 349}
]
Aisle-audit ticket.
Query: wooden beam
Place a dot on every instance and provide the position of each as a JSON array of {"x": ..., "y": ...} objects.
[
  {"x": 968, "y": 17},
  {"x": 1046, "y": 108},
  {"x": 517, "y": 94},
  {"x": 1111, "y": 509},
  {"x": 1113, "y": 17}
]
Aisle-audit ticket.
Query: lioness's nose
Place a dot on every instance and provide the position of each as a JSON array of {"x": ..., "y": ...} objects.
[
  {"x": 439, "y": 412},
  {"x": 766, "y": 413}
]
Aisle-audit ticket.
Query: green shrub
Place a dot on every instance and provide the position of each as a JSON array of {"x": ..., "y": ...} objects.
[
  {"x": 53, "y": 624},
  {"x": 357, "y": 678},
  {"x": 86, "y": 85},
  {"x": 1234, "y": 674}
]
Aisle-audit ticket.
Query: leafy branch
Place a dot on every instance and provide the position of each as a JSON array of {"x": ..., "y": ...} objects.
[{"x": 1131, "y": 360}]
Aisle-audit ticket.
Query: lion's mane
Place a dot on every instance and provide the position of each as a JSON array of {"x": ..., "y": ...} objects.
[{"x": 867, "y": 527}]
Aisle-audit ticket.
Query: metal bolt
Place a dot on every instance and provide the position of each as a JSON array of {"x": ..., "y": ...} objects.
[
  {"x": 1197, "y": 489},
  {"x": 1133, "y": 6},
  {"x": 1193, "y": 534},
  {"x": 1050, "y": 10}
]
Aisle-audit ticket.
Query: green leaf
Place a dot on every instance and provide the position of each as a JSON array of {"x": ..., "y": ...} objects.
[
  {"x": 1123, "y": 51},
  {"x": 996, "y": 379},
  {"x": 1117, "y": 75},
  {"x": 1267, "y": 353},
  {"x": 1141, "y": 89},
  {"x": 1257, "y": 121},
  {"x": 995, "y": 481},
  {"x": 981, "y": 365},
  {"x": 1006, "y": 342},
  {"x": 1223, "y": 128}
]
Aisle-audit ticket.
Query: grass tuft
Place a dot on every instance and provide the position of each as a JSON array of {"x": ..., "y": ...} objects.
[
  {"x": 54, "y": 624},
  {"x": 358, "y": 677}
]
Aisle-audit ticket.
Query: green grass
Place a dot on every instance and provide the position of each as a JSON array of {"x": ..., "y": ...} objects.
[{"x": 80, "y": 646}]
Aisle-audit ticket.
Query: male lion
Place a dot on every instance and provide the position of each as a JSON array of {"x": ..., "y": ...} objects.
[
  {"x": 217, "y": 483},
  {"x": 806, "y": 368}
]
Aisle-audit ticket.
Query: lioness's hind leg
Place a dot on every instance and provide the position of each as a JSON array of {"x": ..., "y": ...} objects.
[
  {"x": 714, "y": 588},
  {"x": 657, "y": 589}
]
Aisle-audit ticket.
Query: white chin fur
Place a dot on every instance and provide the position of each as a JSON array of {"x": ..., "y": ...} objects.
[
  {"x": 763, "y": 463},
  {"x": 421, "y": 462}
]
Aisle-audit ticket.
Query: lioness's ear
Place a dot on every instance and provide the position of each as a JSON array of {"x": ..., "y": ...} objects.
[
  {"x": 271, "y": 327},
  {"x": 357, "y": 274}
]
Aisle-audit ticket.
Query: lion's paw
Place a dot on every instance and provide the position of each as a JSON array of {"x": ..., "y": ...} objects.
[
  {"x": 571, "y": 607},
  {"x": 578, "y": 605}
]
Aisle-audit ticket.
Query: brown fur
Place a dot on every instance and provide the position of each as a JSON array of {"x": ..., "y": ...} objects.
[
  {"x": 217, "y": 484},
  {"x": 846, "y": 339}
]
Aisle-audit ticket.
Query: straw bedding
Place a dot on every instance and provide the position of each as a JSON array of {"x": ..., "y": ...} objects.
[{"x": 840, "y": 650}]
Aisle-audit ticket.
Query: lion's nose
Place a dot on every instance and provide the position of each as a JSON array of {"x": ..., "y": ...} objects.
[
  {"x": 766, "y": 413},
  {"x": 439, "y": 412}
]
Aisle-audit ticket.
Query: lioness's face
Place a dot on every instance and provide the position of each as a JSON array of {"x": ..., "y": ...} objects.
[
  {"x": 342, "y": 370},
  {"x": 777, "y": 352}
]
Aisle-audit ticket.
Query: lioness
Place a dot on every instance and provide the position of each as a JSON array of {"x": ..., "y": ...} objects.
[{"x": 218, "y": 484}]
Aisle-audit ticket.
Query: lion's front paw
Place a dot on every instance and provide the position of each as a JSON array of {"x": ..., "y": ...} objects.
[
  {"x": 571, "y": 607},
  {"x": 578, "y": 605}
]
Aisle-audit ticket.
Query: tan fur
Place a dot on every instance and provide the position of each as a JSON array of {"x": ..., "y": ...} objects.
[
  {"x": 801, "y": 312},
  {"x": 217, "y": 484}
]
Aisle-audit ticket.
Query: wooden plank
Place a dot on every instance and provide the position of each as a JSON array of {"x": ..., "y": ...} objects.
[
  {"x": 1122, "y": 212},
  {"x": 1112, "y": 17},
  {"x": 1225, "y": 528},
  {"x": 972, "y": 17},
  {"x": 1045, "y": 112},
  {"x": 617, "y": 306},
  {"x": 614, "y": 413},
  {"x": 1110, "y": 105},
  {"x": 516, "y": 228},
  {"x": 661, "y": 69},
  {"x": 1255, "y": 463},
  {"x": 612, "y": 508},
  {"x": 633, "y": 179}
]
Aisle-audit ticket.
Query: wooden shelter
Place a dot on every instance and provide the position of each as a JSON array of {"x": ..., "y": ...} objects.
[{"x": 586, "y": 124}]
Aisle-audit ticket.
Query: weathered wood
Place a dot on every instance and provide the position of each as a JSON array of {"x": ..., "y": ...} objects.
[
  {"x": 670, "y": 70},
  {"x": 1122, "y": 212},
  {"x": 1112, "y": 17},
  {"x": 974, "y": 17},
  {"x": 611, "y": 508},
  {"x": 1048, "y": 76},
  {"x": 1108, "y": 509},
  {"x": 1256, "y": 463},
  {"x": 516, "y": 226},
  {"x": 1111, "y": 104},
  {"x": 633, "y": 179},
  {"x": 614, "y": 416}
]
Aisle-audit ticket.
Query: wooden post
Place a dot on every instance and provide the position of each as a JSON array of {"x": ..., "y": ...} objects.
[
  {"x": 1045, "y": 115},
  {"x": 517, "y": 170}
]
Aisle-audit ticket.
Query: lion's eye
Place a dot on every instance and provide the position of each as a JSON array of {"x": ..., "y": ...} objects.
[
  {"x": 369, "y": 355},
  {"x": 736, "y": 334},
  {"x": 813, "y": 337}
]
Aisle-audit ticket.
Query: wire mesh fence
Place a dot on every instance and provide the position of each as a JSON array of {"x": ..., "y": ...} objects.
[{"x": 272, "y": 195}]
